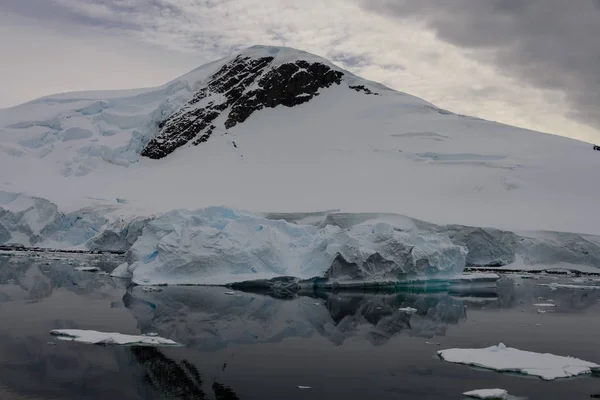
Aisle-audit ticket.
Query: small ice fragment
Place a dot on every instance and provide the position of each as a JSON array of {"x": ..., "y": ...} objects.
[
  {"x": 505, "y": 359},
  {"x": 433, "y": 343},
  {"x": 151, "y": 334},
  {"x": 556, "y": 286},
  {"x": 495, "y": 394},
  {"x": 317, "y": 304},
  {"x": 230, "y": 293},
  {"x": 151, "y": 289},
  {"x": 51, "y": 343},
  {"x": 408, "y": 310},
  {"x": 304, "y": 387},
  {"x": 538, "y": 324},
  {"x": 95, "y": 337},
  {"x": 545, "y": 305},
  {"x": 87, "y": 269},
  {"x": 11, "y": 281}
]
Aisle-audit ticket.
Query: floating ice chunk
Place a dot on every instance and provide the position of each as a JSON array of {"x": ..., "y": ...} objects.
[
  {"x": 505, "y": 359},
  {"x": 151, "y": 289},
  {"x": 230, "y": 293},
  {"x": 487, "y": 394},
  {"x": 304, "y": 387},
  {"x": 408, "y": 310},
  {"x": 545, "y": 305},
  {"x": 87, "y": 269},
  {"x": 95, "y": 337},
  {"x": 554, "y": 286}
]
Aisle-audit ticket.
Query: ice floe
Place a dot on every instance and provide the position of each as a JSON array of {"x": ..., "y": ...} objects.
[
  {"x": 408, "y": 310},
  {"x": 488, "y": 394},
  {"x": 567, "y": 286},
  {"x": 95, "y": 337},
  {"x": 506, "y": 359},
  {"x": 87, "y": 269}
]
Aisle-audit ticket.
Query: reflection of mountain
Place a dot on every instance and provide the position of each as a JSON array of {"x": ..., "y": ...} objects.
[
  {"x": 173, "y": 380},
  {"x": 211, "y": 319}
]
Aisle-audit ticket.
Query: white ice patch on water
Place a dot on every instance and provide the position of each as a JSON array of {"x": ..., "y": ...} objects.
[
  {"x": 489, "y": 394},
  {"x": 505, "y": 359},
  {"x": 87, "y": 269},
  {"x": 567, "y": 286},
  {"x": 408, "y": 310},
  {"x": 95, "y": 337}
]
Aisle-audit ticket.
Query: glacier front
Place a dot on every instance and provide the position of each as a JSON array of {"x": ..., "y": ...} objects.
[{"x": 220, "y": 245}]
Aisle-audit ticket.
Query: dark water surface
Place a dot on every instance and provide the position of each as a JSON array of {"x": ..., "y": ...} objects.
[{"x": 253, "y": 346}]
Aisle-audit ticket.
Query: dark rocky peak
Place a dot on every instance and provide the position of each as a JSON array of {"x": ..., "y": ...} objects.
[{"x": 238, "y": 89}]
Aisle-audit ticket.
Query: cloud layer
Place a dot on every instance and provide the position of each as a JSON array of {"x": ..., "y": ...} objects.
[
  {"x": 414, "y": 49},
  {"x": 552, "y": 44}
]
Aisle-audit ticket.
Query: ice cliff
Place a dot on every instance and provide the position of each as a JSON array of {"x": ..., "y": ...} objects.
[{"x": 220, "y": 245}]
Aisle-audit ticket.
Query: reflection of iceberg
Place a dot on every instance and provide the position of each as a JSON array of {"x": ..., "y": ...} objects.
[
  {"x": 39, "y": 277},
  {"x": 208, "y": 318}
]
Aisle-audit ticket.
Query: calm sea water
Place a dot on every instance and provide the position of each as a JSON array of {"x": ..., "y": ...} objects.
[{"x": 344, "y": 345}]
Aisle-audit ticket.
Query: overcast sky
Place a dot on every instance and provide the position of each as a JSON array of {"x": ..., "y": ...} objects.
[{"x": 530, "y": 63}]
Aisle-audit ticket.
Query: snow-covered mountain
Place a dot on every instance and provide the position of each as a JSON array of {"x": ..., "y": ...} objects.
[
  {"x": 308, "y": 167},
  {"x": 277, "y": 129}
]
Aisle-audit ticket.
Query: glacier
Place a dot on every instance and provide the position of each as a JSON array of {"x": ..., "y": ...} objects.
[{"x": 220, "y": 245}]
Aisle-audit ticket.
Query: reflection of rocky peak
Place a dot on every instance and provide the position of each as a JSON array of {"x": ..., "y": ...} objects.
[{"x": 241, "y": 87}]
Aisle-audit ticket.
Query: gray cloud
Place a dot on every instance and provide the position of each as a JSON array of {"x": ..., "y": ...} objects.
[
  {"x": 552, "y": 44},
  {"x": 64, "y": 45}
]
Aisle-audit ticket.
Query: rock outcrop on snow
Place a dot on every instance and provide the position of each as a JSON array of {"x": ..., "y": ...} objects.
[{"x": 234, "y": 92}]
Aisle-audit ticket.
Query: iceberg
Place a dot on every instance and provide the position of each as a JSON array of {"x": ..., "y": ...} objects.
[
  {"x": 219, "y": 245},
  {"x": 95, "y": 337},
  {"x": 506, "y": 359},
  {"x": 489, "y": 394}
]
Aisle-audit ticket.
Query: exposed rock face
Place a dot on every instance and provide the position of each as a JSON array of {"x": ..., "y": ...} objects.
[
  {"x": 238, "y": 89},
  {"x": 364, "y": 89}
]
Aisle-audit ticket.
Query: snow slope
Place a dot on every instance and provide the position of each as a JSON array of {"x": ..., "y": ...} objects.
[{"x": 342, "y": 149}]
